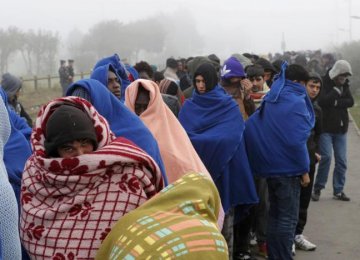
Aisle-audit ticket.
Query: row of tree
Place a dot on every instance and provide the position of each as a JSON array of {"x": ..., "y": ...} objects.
[
  {"x": 38, "y": 49},
  {"x": 153, "y": 39}
]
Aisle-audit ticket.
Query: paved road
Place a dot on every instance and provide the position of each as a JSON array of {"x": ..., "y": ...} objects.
[{"x": 334, "y": 226}]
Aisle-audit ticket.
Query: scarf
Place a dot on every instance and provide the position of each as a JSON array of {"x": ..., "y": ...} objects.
[
  {"x": 69, "y": 205},
  {"x": 276, "y": 134},
  {"x": 176, "y": 150},
  {"x": 178, "y": 222},
  {"x": 214, "y": 124},
  {"x": 122, "y": 121}
]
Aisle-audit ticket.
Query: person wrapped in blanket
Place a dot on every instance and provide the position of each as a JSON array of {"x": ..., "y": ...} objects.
[
  {"x": 213, "y": 122},
  {"x": 179, "y": 222},
  {"x": 9, "y": 217},
  {"x": 79, "y": 181}
]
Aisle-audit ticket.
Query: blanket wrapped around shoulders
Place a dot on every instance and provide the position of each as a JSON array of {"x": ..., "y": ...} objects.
[
  {"x": 70, "y": 205},
  {"x": 215, "y": 126},
  {"x": 276, "y": 134},
  {"x": 123, "y": 123},
  {"x": 179, "y": 222}
]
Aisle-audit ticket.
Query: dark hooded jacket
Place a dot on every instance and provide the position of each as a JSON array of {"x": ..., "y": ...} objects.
[{"x": 335, "y": 106}]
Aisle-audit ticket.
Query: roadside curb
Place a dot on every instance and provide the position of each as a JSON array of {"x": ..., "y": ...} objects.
[{"x": 355, "y": 125}]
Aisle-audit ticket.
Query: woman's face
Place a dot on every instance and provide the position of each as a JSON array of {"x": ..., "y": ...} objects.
[{"x": 200, "y": 84}]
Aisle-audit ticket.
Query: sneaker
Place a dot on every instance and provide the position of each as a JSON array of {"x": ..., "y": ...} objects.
[
  {"x": 293, "y": 250},
  {"x": 263, "y": 250},
  {"x": 253, "y": 241},
  {"x": 245, "y": 256},
  {"x": 341, "y": 196},
  {"x": 302, "y": 243},
  {"x": 316, "y": 195}
]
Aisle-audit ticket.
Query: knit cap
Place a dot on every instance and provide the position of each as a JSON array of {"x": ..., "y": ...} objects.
[
  {"x": 67, "y": 124},
  {"x": 232, "y": 68}
]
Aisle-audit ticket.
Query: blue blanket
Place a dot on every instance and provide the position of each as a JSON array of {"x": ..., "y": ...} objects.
[
  {"x": 276, "y": 134},
  {"x": 122, "y": 121},
  {"x": 101, "y": 73},
  {"x": 215, "y": 127},
  {"x": 114, "y": 60},
  {"x": 17, "y": 149}
]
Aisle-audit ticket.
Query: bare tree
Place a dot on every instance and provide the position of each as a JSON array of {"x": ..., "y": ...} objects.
[
  {"x": 41, "y": 48},
  {"x": 11, "y": 41}
]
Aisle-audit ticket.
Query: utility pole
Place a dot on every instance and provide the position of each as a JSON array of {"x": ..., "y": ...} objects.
[
  {"x": 283, "y": 43},
  {"x": 350, "y": 17}
]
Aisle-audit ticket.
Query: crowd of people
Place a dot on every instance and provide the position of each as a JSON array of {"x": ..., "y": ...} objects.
[{"x": 200, "y": 160}]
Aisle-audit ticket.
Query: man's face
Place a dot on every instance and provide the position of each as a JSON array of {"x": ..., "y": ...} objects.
[
  {"x": 313, "y": 88},
  {"x": 75, "y": 148},
  {"x": 114, "y": 84},
  {"x": 200, "y": 84},
  {"x": 267, "y": 75},
  {"x": 142, "y": 101},
  {"x": 258, "y": 83},
  {"x": 340, "y": 80},
  {"x": 180, "y": 66}
]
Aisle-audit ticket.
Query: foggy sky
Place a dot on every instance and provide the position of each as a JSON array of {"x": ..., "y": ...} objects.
[{"x": 226, "y": 26}]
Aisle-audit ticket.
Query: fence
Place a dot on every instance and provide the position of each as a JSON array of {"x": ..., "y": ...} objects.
[{"x": 48, "y": 81}]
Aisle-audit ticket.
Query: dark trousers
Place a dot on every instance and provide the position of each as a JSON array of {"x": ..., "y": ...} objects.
[
  {"x": 256, "y": 220},
  {"x": 284, "y": 197},
  {"x": 305, "y": 196}
]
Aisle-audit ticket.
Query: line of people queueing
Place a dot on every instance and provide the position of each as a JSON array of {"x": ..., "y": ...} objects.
[{"x": 121, "y": 169}]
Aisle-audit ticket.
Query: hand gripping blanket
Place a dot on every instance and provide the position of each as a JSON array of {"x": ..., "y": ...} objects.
[{"x": 70, "y": 205}]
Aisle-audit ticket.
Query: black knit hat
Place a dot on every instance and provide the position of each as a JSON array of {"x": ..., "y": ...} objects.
[
  {"x": 66, "y": 124},
  {"x": 267, "y": 66},
  {"x": 208, "y": 72}
]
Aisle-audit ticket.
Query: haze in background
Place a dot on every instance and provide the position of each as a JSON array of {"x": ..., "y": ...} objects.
[{"x": 225, "y": 26}]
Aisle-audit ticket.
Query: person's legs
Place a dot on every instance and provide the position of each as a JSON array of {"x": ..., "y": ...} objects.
[
  {"x": 228, "y": 231},
  {"x": 284, "y": 200},
  {"x": 261, "y": 217},
  {"x": 305, "y": 196},
  {"x": 325, "y": 146},
  {"x": 340, "y": 162},
  {"x": 241, "y": 236}
]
